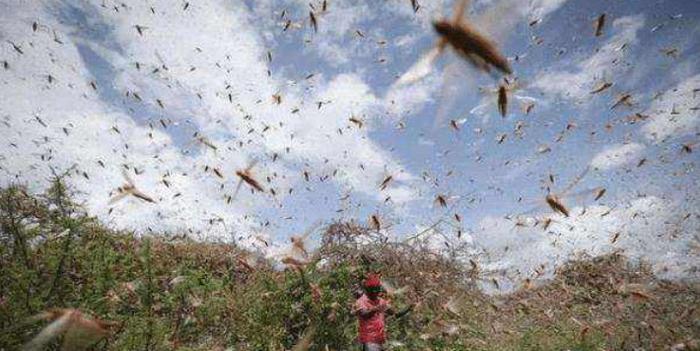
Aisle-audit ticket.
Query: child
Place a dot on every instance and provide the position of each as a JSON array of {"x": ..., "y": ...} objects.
[{"x": 371, "y": 309}]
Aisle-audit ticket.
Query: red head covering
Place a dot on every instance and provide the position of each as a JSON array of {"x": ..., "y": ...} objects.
[{"x": 372, "y": 281}]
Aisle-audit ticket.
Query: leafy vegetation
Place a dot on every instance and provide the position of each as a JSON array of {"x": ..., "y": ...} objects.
[{"x": 165, "y": 293}]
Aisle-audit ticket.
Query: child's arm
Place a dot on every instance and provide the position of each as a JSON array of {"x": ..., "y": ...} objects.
[{"x": 366, "y": 312}]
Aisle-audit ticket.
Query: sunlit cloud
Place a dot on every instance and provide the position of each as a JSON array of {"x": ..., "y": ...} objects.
[
  {"x": 616, "y": 156},
  {"x": 675, "y": 113},
  {"x": 603, "y": 65}
]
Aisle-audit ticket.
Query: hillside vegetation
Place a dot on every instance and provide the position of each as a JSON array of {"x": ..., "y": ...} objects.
[{"x": 162, "y": 293}]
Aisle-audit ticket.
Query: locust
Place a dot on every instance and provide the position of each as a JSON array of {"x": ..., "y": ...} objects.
[
  {"x": 246, "y": 176},
  {"x": 466, "y": 40},
  {"x": 601, "y": 88},
  {"x": 471, "y": 44},
  {"x": 555, "y": 200},
  {"x": 385, "y": 182},
  {"x": 375, "y": 222},
  {"x": 599, "y": 24},
  {"x": 79, "y": 331},
  {"x": 128, "y": 188}
]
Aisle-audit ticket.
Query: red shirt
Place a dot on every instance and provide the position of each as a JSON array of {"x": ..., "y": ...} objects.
[{"x": 371, "y": 329}]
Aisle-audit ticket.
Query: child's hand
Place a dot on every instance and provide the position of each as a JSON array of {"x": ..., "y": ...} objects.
[
  {"x": 382, "y": 307},
  {"x": 378, "y": 308}
]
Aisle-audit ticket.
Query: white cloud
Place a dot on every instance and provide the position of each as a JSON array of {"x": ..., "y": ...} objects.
[
  {"x": 499, "y": 17},
  {"x": 362, "y": 164},
  {"x": 675, "y": 113},
  {"x": 336, "y": 41},
  {"x": 210, "y": 50},
  {"x": 649, "y": 229},
  {"x": 578, "y": 83},
  {"x": 617, "y": 155},
  {"x": 443, "y": 240},
  {"x": 541, "y": 8},
  {"x": 88, "y": 117}
]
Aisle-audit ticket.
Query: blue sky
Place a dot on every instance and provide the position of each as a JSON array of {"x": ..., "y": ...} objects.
[{"x": 208, "y": 66}]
